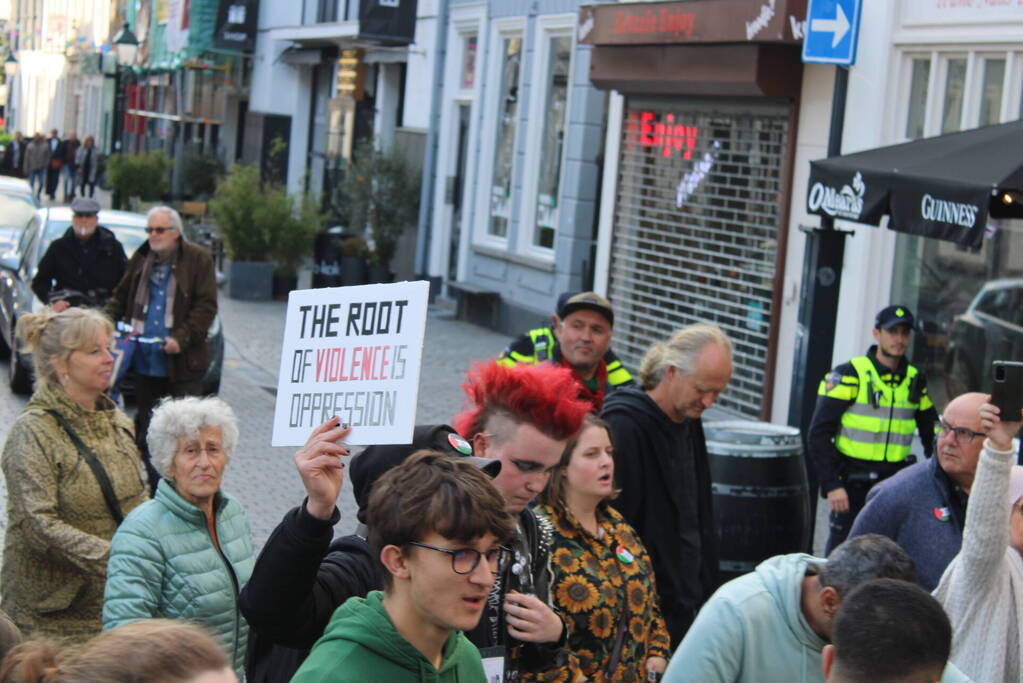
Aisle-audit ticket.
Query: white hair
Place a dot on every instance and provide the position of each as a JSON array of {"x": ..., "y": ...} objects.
[
  {"x": 681, "y": 351},
  {"x": 184, "y": 417},
  {"x": 175, "y": 217}
]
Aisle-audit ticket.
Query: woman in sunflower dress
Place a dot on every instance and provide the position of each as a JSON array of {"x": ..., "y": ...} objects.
[{"x": 603, "y": 579}]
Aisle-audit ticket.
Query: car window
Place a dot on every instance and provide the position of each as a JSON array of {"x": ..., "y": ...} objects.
[
  {"x": 130, "y": 235},
  {"x": 15, "y": 209},
  {"x": 999, "y": 303}
]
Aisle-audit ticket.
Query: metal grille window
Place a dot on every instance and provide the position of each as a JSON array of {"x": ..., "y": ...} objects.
[{"x": 696, "y": 230}]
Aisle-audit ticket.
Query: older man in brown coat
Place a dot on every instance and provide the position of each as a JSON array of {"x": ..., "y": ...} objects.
[{"x": 168, "y": 292}]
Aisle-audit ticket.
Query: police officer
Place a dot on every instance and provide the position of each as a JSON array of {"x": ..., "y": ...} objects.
[
  {"x": 87, "y": 258},
  {"x": 867, "y": 412},
  {"x": 578, "y": 337}
]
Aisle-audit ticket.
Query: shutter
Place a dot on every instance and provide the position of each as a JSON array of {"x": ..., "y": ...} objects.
[{"x": 696, "y": 229}]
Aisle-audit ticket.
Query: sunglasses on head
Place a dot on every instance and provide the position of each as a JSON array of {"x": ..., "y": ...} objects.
[{"x": 158, "y": 231}]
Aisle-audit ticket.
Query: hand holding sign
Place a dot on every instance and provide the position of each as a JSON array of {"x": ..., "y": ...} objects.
[{"x": 320, "y": 466}]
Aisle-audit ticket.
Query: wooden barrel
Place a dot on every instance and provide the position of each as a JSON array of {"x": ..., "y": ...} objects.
[{"x": 759, "y": 486}]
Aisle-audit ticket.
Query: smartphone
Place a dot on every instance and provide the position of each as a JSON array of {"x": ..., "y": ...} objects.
[{"x": 1007, "y": 388}]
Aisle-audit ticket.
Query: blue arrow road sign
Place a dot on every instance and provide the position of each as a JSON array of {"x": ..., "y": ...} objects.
[{"x": 832, "y": 30}]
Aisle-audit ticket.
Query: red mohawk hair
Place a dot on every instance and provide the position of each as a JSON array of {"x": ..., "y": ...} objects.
[{"x": 545, "y": 396}]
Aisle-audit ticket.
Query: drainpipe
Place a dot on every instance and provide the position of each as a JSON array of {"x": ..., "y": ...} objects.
[{"x": 426, "y": 194}]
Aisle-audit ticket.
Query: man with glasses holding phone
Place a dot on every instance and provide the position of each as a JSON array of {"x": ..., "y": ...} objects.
[
  {"x": 923, "y": 507},
  {"x": 437, "y": 526},
  {"x": 867, "y": 412},
  {"x": 169, "y": 292},
  {"x": 87, "y": 258}
]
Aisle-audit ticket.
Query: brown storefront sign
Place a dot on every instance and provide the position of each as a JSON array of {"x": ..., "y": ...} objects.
[{"x": 697, "y": 21}]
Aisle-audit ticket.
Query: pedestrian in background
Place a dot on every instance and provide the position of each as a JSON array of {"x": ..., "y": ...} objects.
[
  {"x": 68, "y": 153},
  {"x": 867, "y": 411},
  {"x": 663, "y": 467},
  {"x": 187, "y": 553},
  {"x": 72, "y": 471},
  {"x": 14, "y": 156},
  {"x": 37, "y": 160},
  {"x": 87, "y": 161},
  {"x": 153, "y": 651},
  {"x": 56, "y": 162},
  {"x": 603, "y": 580},
  {"x": 169, "y": 291},
  {"x": 982, "y": 589}
]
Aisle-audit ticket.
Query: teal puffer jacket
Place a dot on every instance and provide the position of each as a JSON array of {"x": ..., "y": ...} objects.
[{"x": 163, "y": 563}]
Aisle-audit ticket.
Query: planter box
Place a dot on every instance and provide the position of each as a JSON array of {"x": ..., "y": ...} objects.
[{"x": 251, "y": 280}]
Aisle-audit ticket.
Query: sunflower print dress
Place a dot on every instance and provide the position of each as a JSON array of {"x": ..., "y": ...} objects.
[{"x": 598, "y": 582}]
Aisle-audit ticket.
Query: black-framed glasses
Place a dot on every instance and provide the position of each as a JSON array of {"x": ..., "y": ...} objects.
[
  {"x": 465, "y": 560},
  {"x": 963, "y": 435},
  {"x": 158, "y": 231},
  {"x": 84, "y": 215}
]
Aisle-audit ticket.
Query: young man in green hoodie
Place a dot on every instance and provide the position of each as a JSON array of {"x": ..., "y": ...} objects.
[{"x": 436, "y": 524}]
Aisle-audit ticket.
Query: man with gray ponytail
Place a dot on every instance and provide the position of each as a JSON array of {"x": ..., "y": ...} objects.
[{"x": 661, "y": 464}]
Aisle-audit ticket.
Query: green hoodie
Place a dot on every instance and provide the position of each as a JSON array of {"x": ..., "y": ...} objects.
[
  {"x": 361, "y": 644},
  {"x": 753, "y": 630}
]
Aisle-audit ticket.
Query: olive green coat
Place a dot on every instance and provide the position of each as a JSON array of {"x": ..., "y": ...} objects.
[{"x": 58, "y": 525}]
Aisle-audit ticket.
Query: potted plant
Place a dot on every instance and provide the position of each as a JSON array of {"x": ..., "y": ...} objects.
[
  {"x": 354, "y": 251},
  {"x": 201, "y": 172},
  {"x": 381, "y": 189},
  {"x": 252, "y": 219},
  {"x": 294, "y": 244},
  {"x": 138, "y": 178}
]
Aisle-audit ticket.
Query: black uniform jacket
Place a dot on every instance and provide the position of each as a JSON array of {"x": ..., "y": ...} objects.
[{"x": 94, "y": 266}]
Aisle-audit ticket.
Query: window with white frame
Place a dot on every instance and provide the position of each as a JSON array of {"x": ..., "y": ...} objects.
[
  {"x": 558, "y": 57},
  {"x": 951, "y": 91},
  {"x": 504, "y": 141}
]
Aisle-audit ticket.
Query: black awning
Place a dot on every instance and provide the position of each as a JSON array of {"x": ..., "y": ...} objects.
[{"x": 943, "y": 187}]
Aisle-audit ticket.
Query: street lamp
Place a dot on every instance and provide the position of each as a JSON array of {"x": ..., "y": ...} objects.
[
  {"x": 127, "y": 45},
  {"x": 10, "y": 66}
]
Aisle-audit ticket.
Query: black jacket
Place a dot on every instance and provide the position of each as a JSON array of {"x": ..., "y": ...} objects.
[
  {"x": 300, "y": 578},
  {"x": 94, "y": 266},
  {"x": 662, "y": 469}
]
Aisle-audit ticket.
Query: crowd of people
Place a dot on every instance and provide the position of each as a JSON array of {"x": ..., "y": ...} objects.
[
  {"x": 561, "y": 530},
  {"x": 51, "y": 163}
]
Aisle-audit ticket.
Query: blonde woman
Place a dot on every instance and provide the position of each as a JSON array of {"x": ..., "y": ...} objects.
[{"x": 72, "y": 471}]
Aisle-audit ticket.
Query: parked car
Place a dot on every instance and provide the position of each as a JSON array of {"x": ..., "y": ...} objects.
[
  {"x": 18, "y": 267},
  {"x": 17, "y": 206},
  {"x": 990, "y": 329}
]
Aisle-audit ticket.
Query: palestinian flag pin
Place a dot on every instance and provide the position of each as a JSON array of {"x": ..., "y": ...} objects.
[
  {"x": 459, "y": 444},
  {"x": 942, "y": 514},
  {"x": 624, "y": 555}
]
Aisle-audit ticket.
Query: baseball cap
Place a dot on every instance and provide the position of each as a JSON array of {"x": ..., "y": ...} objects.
[
  {"x": 371, "y": 464},
  {"x": 570, "y": 302},
  {"x": 84, "y": 205},
  {"x": 891, "y": 316}
]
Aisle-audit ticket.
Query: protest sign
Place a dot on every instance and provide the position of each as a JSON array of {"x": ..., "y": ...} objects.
[{"x": 354, "y": 352}]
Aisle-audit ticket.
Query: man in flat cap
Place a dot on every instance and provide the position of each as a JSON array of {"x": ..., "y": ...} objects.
[
  {"x": 579, "y": 337},
  {"x": 867, "y": 411},
  {"x": 87, "y": 258}
]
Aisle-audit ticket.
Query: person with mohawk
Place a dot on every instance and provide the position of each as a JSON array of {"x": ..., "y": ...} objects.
[{"x": 524, "y": 417}]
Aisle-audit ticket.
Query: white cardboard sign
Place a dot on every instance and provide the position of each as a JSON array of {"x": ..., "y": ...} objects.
[{"x": 354, "y": 352}]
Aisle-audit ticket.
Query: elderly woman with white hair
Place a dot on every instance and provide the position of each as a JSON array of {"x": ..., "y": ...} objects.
[
  {"x": 982, "y": 588},
  {"x": 187, "y": 553}
]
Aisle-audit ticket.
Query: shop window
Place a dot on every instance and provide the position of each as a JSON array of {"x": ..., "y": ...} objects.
[
  {"x": 504, "y": 143},
  {"x": 991, "y": 92},
  {"x": 918, "y": 98},
  {"x": 559, "y": 55},
  {"x": 955, "y": 83}
]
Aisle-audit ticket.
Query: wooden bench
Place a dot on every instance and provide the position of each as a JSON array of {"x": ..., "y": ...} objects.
[{"x": 476, "y": 304}]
